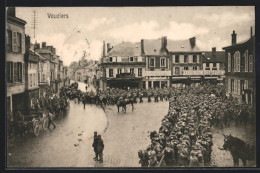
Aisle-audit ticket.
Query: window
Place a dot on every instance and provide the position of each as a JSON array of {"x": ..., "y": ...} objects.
[
  {"x": 238, "y": 61},
  {"x": 34, "y": 79},
  {"x": 31, "y": 80},
  {"x": 246, "y": 61},
  {"x": 9, "y": 41},
  {"x": 214, "y": 64},
  {"x": 207, "y": 64},
  {"x": 194, "y": 58},
  {"x": 246, "y": 84},
  {"x": 19, "y": 71},
  {"x": 186, "y": 58},
  {"x": 195, "y": 68},
  {"x": 235, "y": 86},
  {"x": 238, "y": 87},
  {"x": 229, "y": 86},
  {"x": 139, "y": 71},
  {"x": 132, "y": 70},
  {"x": 110, "y": 72},
  {"x": 14, "y": 41},
  {"x": 119, "y": 70},
  {"x": 232, "y": 86},
  {"x": 250, "y": 63},
  {"x": 151, "y": 62},
  {"x": 39, "y": 77},
  {"x": 186, "y": 68},
  {"x": 9, "y": 71},
  {"x": 163, "y": 62},
  {"x": 43, "y": 78},
  {"x": 177, "y": 60},
  {"x": 229, "y": 62},
  {"x": 131, "y": 59},
  {"x": 19, "y": 42},
  {"x": 110, "y": 59}
]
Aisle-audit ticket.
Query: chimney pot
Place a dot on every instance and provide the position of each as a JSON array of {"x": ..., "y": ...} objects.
[
  {"x": 193, "y": 42},
  {"x": 234, "y": 38},
  {"x": 142, "y": 46},
  {"x": 251, "y": 31},
  {"x": 43, "y": 44}
]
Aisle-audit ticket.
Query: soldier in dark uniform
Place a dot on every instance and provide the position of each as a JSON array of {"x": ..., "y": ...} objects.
[
  {"x": 94, "y": 145},
  {"x": 100, "y": 148}
]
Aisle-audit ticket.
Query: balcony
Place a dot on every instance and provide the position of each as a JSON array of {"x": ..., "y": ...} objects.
[
  {"x": 125, "y": 75},
  {"x": 203, "y": 72},
  {"x": 157, "y": 73},
  {"x": 41, "y": 83}
]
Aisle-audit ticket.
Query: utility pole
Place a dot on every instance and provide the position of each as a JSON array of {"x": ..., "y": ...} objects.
[{"x": 34, "y": 22}]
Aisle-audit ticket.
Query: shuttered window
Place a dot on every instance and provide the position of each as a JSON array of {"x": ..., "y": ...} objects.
[
  {"x": 238, "y": 61},
  {"x": 250, "y": 63},
  {"x": 235, "y": 84},
  {"x": 9, "y": 71},
  {"x": 238, "y": 87},
  {"x": 14, "y": 49},
  {"x": 246, "y": 61},
  {"x": 229, "y": 86},
  {"x": 229, "y": 62},
  {"x": 23, "y": 72},
  {"x": 15, "y": 72},
  {"x": 19, "y": 71},
  {"x": 246, "y": 84},
  {"x": 19, "y": 42},
  {"x": 235, "y": 63},
  {"x": 9, "y": 40}
]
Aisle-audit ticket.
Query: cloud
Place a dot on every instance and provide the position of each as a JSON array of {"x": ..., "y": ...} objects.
[
  {"x": 95, "y": 23},
  {"x": 225, "y": 19},
  {"x": 151, "y": 30}
]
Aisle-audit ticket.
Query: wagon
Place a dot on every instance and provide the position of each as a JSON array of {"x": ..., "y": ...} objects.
[{"x": 35, "y": 122}]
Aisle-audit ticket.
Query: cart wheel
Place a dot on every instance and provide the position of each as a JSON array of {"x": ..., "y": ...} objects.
[
  {"x": 36, "y": 128},
  {"x": 45, "y": 123}
]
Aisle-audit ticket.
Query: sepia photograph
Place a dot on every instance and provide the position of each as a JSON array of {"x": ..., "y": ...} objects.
[{"x": 130, "y": 87}]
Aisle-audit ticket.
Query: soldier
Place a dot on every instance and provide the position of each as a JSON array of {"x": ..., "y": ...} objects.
[
  {"x": 194, "y": 162},
  {"x": 51, "y": 116},
  {"x": 143, "y": 156},
  {"x": 94, "y": 145},
  {"x": 100, "y": 148}
]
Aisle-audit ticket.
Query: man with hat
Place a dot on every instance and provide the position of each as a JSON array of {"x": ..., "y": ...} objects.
[
  {"x": 100, "y": 148},
  {"x": 94, "y": 145}
]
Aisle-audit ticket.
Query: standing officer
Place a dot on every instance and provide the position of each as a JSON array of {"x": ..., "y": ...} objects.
[
  {"x": 94, "y": 145},
  {"x": 100, "y": 148}
]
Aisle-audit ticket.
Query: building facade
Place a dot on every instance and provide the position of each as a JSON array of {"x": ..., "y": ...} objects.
[
  {"x": 240, "y": 70},
  {"x": 213, "y": 65},
  {"x": 15, "y": 66},
  {"x": 122, "y": 66}
]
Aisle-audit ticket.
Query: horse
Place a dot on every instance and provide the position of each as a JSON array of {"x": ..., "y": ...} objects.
[
  {"x": 238, "y": 149},
  {"x": 124, "y": 103}
]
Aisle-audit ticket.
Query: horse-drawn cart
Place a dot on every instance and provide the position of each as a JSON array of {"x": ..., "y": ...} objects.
[{"x": 35, "y": 121}]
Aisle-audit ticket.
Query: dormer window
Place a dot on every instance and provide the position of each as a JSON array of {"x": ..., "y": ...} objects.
[
  {"x": 110, "y": 59},
  {"x": 163, "y": 62},
  {"x": 131, "y": 59}
]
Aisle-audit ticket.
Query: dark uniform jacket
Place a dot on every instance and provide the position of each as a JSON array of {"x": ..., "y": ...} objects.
[{"x": 100, "y": 146}]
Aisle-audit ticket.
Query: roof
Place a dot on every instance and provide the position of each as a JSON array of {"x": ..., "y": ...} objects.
[
  {"x": 126, "y": 49},
  {"x": 43, "y": 50},
  {"x": 239, "y": 43},
  {"x": 181, "y": 46},
  {"x": 153, "y": 47},
  {"x": 41, "y": 58},
  {"x": 208, "y": 56}
]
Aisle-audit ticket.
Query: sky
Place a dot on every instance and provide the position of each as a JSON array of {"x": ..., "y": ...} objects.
[{"x": 82, "y": 30}]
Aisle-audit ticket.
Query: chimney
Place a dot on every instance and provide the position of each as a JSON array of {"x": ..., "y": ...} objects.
[
  {"x": 213, "y": 51},
  {"x": 104, "y": 48},
  {"x": 11, "y": 11},
  {"x": 142, "y": 46},
  {"x": 43, "y": 44},
  {"x": 193, "y": 42},
  {"x": 54, "y": 51},
  {"x": 109, "y": 47},
  {"x": 164, "y": 42},
  {"x": 234, "y": 38},
  {"x": 37, "y": 45},
  {"x": 251, "y": 31},
  {"x": 27, "y": 42}
]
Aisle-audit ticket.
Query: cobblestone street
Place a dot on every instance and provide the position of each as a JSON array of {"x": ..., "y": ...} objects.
[{"x": 223, "y": 158}]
